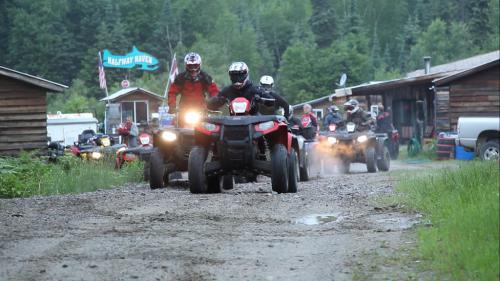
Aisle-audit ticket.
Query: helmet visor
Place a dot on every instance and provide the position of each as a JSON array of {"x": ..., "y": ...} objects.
[
  {"x": 348, "y": 107},
  {"x": 238, "y": 77},
  {"x": 192, "y": 67}
]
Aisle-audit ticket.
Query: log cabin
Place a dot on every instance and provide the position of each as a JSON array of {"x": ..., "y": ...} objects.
[{"x": 23, "y": 111}]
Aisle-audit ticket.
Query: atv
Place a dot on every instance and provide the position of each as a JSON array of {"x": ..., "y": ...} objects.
[
  {"x": 245, "y": 146},
  {"x": 351, "y": 146},
  {"x": 138, "y": 153},
  {"x": 171, "y": 147}
]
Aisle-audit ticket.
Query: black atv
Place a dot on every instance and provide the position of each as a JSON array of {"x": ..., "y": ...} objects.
[
  {"x": 243, "y": 145},
  {"x": 171, "y": 147},
  {"x": 351, "y": 146}
]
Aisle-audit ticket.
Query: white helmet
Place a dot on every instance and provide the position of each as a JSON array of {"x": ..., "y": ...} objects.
[
  {"x": 238, "y": 73},
  {"x": 192, "y": 63},
  {"x": 351, "y": 106},
  {"x": 267, "y": 81}
]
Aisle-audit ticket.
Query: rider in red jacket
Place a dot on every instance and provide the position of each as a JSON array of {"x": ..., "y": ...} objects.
[{"x": 192, "y": 85}]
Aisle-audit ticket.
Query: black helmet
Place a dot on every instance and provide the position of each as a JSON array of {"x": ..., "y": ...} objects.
[{"x": 333, "y": 108}]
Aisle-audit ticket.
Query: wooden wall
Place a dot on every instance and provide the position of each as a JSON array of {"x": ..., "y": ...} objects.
[
  {"x": 23, "y": 116},
  {"x": 475, "y": 95}
]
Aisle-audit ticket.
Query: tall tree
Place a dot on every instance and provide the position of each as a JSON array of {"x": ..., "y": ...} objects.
[
  {"x": 479, "y": 21},
  {"x": 323, "y": 23}
]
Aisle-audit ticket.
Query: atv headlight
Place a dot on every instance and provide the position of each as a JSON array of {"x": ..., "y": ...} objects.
[
  {"x": 209, "y": 127},
  {"x": 192, "y": 117},
  {"x": 265, "y": 126},
  {"x": 96, "y": 155},
  {"x": 332, "y": 140},
  {"x": 105, "y": 141},
  {"x": 168, "y": 136},
  {"x": 362, "y": 138}
]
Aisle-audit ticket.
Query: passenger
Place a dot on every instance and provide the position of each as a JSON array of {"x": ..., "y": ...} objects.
[
  {"x": 309, "y": 122},
  {"x": 384, "y": 124}
]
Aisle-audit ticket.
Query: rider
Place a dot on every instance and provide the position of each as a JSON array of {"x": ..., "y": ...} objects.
[
  {"x": 357, "y": 115},
  {"x": 333, "y": 117},
  {"x": 309, "y": 122},
  {"x": 192, "y": 85},
  {"x": 267, "y": 83},
  {"x": 384, "y": 124},
  {"x": 241, "y": 86}
]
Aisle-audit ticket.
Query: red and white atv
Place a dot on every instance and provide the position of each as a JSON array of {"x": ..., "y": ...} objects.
[{"x": 243, "y": 145}]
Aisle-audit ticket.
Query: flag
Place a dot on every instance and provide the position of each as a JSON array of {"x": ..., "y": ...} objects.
[
  {"x": 102, "y": 75},
  {"x": 173, "y": 70}
]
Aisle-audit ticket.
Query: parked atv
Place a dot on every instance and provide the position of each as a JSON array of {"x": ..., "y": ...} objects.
[
  {"x": 171, "y": 147},
  {"x": 351, "y": 146},
  {"x": 243, "y": 145},
  {"x": 92, "y": 146},
  {"x": 139, "y": 153}
]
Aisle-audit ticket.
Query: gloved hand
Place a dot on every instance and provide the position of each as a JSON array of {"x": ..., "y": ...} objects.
[
  {"x": 172, "y": 110},
  {"x": 257, "y": 98}
]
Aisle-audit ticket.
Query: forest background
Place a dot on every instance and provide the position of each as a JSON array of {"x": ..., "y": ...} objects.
[{"x": 305, "y": 45}]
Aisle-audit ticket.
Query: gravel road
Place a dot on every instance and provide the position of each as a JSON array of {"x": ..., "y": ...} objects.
[{"x": 332, "y": 229}]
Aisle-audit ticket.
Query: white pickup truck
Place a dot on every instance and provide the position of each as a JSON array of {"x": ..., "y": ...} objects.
[{"x": 480, "y": 134}]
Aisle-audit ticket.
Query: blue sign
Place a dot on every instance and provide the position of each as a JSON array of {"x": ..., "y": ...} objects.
[{"x": 130, "y": 60}]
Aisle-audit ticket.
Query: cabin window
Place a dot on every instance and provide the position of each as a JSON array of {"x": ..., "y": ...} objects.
[
  {"x": 318, "y": 112},
  {"x": 137, "y": 109}
]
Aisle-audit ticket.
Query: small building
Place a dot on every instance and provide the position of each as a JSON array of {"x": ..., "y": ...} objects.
[
  {"x": 472, "y": 92},
  {"x": 136, "y": 102},
  {"x": 65, "y": 128},
  {"x": 421, "y": 93},
  {"x": 23, "y": 111}
]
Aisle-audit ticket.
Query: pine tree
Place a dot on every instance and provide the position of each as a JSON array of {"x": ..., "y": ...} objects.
[
  {"x": 322, "y": 23},
  {"x": 479, "y": 21}
]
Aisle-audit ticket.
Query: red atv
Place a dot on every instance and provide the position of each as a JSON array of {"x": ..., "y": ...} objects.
[
  {"x": 141, "y": 152},
  {"x": 243, "y": 145}
]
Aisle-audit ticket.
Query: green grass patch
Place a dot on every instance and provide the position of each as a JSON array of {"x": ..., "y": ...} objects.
[
  {"x": 29, "y": 175},
  {"x": 462, "y": 205}
]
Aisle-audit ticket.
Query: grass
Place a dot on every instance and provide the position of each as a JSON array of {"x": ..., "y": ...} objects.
[
  {"x": 462, "y": 206},
  {"x": 28, "y": 175}
]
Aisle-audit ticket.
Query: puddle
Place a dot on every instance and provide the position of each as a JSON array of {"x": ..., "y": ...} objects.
[
  {"x": 394, "y": 221},
  {"x": 317, "y": 219}
]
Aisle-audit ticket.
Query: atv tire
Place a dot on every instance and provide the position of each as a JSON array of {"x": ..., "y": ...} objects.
[
  {"x": 227, "y": 182},
  {"x": 384, "y": 163},
  {"x": 293, "y": 171},
  {"x": 370, "y": 159},
  {"x": 147, "y": 171},
  {"x": 196, "y": 174},
  {"x": 156, "y": 170},
  {"x": 214, "y": 184},
  {"x": 279, "y": 168},
  {"x": 344, "y": 166},
  {"x": 304, "y": 171}
]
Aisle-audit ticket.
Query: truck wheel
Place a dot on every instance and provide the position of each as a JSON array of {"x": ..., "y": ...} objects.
[
  {"x": 196, "y": 174},
  {"x": 227, "y": 182},
  {"x": 384, "y": 163},
  {"x": 293, "y": 171},
  {"x": 370, "y": 159},
  {"x": 156, "y": 170},
  {"x": 490, "y": 150},
  {"x": 279, "y": 168},
  {"x": 304, "y": 171}
]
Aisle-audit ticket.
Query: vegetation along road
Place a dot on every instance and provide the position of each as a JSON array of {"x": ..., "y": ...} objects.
[{"x": 334, "y": 228}]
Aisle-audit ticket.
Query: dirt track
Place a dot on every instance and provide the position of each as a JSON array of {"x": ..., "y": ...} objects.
[{"x": 244, "y": 234}]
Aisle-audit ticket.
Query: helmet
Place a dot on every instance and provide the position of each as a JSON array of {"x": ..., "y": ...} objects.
[
  {"x": 267, "y": 82},
  {"x": 192, "y": 63},
  {"x": 351, "y": 106},
  {"x": 333, "y": 108},
  {"x": 238, "y": 73}
]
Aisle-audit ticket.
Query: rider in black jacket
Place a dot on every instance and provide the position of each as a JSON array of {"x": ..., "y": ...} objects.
[
  {"x": 267, "y": 84},
  {"x": 241, "y": 87}
]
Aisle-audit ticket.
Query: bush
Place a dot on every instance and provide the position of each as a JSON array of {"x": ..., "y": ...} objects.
[{"x": 29, "y": 175}]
